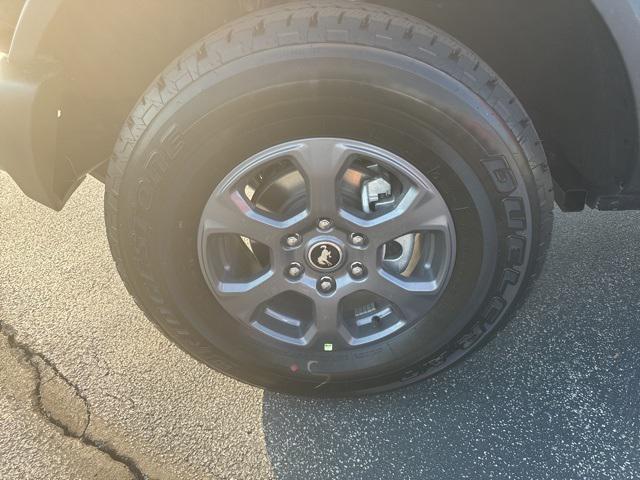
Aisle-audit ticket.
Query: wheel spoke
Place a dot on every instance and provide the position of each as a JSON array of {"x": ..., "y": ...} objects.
[
  {"x": 231, "y": 213},
  {"x": 411, "y": 298},
  {"x": 326, "y": 316},
  {"x": 243, "y": 299},
  {"x": 321, "y": 161}
]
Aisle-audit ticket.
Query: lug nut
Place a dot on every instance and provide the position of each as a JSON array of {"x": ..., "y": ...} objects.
[
  {"x": 358, "y": 270},
  {"x": 326, "y": 285},
  {"x": 295, "y": 270},
  {"x": 293, "y": 240},
  {"x": 325, "y": 224},
  {"x": 358, "y": 240}
]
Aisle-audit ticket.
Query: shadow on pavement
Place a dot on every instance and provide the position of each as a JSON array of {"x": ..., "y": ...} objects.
[{"x": 555, "y": 395}]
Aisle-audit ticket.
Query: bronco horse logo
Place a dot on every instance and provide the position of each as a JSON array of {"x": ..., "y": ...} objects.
[{"x": 325, "y": 257}]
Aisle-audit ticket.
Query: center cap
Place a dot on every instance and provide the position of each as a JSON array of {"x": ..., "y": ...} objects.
[{"x": 325, "y": 256}]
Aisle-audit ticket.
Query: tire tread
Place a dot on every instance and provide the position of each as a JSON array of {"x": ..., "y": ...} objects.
[{"x": 325, "y": 22}]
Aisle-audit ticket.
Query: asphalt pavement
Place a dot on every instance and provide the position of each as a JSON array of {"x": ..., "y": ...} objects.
[{"x": 89, "y": 389}]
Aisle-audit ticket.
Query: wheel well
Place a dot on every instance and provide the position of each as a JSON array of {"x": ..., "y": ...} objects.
[
  {"x": 559, "y": 59},
  {"x": 562, "y": 62}
]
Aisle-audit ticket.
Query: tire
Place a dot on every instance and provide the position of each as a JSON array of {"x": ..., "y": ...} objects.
[{"x": 318, "y": 70}]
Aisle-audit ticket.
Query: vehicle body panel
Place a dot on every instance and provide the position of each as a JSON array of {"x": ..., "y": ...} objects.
[
  {"x": 30, "y": 96},
  {"x": 623, "y": 19},
  {"x": 32, "y": 25}
]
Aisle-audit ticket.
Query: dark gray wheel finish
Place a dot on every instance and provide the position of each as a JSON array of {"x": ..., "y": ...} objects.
[{"x": 388, "y": 300}]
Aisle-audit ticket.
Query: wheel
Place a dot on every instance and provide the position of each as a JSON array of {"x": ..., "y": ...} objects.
[{"x": 328, "y": 199}]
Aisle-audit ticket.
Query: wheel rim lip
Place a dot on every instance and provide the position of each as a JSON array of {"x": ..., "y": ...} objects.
[{"x": 389, "y": 159}]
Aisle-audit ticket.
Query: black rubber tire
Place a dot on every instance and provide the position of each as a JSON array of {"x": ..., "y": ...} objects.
[{"x": 328, "y": 68}]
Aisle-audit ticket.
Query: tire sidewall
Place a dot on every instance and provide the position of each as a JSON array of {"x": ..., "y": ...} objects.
[{"x": 163, "y": 168}]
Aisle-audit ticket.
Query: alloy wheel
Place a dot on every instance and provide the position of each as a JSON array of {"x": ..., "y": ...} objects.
[{"x": 326, "y": 244}]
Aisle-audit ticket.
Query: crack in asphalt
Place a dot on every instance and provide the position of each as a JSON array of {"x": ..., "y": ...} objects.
[{"x": 86, "y": 439}]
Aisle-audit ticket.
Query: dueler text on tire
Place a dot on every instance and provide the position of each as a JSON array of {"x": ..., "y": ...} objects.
[{"x": 328, "y": 199}]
